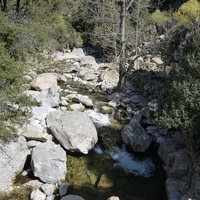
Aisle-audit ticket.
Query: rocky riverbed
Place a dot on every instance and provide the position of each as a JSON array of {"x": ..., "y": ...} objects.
[{"x": 67, "y": 121}]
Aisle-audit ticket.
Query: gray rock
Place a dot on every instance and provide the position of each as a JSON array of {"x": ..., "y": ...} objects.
[
  {"x": 63, "y": 189},
  {"x": 51, "y": 197},
  {"x": 37, "y": 195},
  {"x": 49, "y": 162},
  {"x": 106, "y": 110},
  {"x": 72, "y": 197},
  {"x": 34, "y": 131},
  {"x": 157, "y": 60},
  {"x": 110, "y": 80},
  {"x": 89, "y": 60},
  {"x": 135, "y": 136},
  {"x": 34, "y": 184},
  {"x": 85, "y": 100},
  {"x": 78, "y": 52},
  {"x": 33, "y": 143},
  {"x": 77, "y": 107},
  {"x": 49, "y": 98},
  {"x": 48, "y": 189},
  {"x": 44, "y": 81},
  {"x": 74, "y": 130},
  {"x": 13, "y": 157},
  {"x": 175, "y": 188}
]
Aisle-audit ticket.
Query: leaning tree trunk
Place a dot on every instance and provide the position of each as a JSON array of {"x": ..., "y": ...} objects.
[{"x": 122, "y": 62}]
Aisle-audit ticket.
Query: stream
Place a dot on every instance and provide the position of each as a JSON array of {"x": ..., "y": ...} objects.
[{"x": 111, "y": 169}]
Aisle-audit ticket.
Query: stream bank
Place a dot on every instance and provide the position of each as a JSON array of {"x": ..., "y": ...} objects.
[{"x": 104, "y": 108}]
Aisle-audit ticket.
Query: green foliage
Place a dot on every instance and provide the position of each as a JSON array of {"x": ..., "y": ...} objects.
[
  {"x": 160, "y": 17},
  {"x": 181, "y": 98},
  {"x": 188, "y": 14}
]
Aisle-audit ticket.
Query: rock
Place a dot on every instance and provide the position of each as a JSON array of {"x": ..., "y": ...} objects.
[
  {"x": 106, "y": 110},
  {"x": 37, "y": 195},
  {"x": 151, "y": 66},
  {"x": 34, "y": 184},
  {"x": 63, "y": 188},
  {"x": 197, "y": 190},
  {"x": 181, "y": 163},
  {"x": 105, "y": 182},
  {"x": 35, "y": 131},
  {"x": 77, "y": 107},
  {"x": 157, "y": 60},
  {"x": 72, "y": 197},
  {"x": 87, "y": 74},
  {"x": 13, "y": 157},
  {"x": 33, "y": 143},
  {"x": 78, "y": 52},
  {"x": 49, "y": 98},
  {"x": 89, "y": 60},
  {"x": 44, "y": 81},
  {"x": 135, "y": 136},
  {"x": 110, "y": 80},
  {"x": 85, "y": 100},
  {"x": 74, "y": 130},
  {"x": 51, "y": 197},
  {"x": 175, "y": 188},
  {"x": 49, "y": 162},
  {"x": 113, "y": 198},
  {"x": 63, "y": 102},
  {"x": 40, "y": 113},
  {"x": 48, "y": 189}
]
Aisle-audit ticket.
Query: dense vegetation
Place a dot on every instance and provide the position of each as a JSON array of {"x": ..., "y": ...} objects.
[{"x": 29, "y": 27}]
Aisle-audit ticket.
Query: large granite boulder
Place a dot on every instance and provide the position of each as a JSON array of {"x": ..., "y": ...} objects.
[
  {"x": 74, "y": 130},
  {"x": 49, "y": 98},
  {"x": 44, "y": 81},
  {"x": 48, "y": 162},
  {"x": 13, "y": 156},
  {"x": 135, "y": 136},
  {"x": 110, "y": 80},
  {"x": 72, "y": 197}
]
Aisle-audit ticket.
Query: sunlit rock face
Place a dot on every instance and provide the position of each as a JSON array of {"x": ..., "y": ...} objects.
[
  {"x": 49, "y": 162},
  {"x": 13, "y": 157},
  {"x": 74, "y": 130}
]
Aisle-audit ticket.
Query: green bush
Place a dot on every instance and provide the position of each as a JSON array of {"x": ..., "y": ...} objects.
[{"x": 181, "y": 98}]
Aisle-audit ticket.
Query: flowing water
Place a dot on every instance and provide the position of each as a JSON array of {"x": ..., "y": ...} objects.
[{"x": 110, "y": 169}]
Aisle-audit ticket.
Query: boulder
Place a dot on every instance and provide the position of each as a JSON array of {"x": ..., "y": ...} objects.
[
  {"x": 135, "y": 136},
  {"x": 37, "y": 195},
  {"x": 44, "y": 81},
  {"x": 13, "y": 157},
  {"x": 48, "y": 189},
  {"x": 83, "y": 99},
  {"x": 113, "y": 198},
  {"x": 87, "y": 74},
  {"x": 77, "y": 107},
  {"x": 48, "y": 162},
  {"x": 63, "y": 189},
  {"x": 72, "y": 197},
  {"x": 110, "y": 80},
  {"x": 74, "y": 130},
  {"x": 175, "y": 188},
  {"x": 78, "y": 52},
  {"x": 89, "y": 60},
  {"x": 35, "y": 131},
  {"x": 157, "y": 60},
  {"x": 48, "y": 98}
]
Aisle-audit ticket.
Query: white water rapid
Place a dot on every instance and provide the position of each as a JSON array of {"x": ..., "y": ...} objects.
[{"x": 126, "y": 161}]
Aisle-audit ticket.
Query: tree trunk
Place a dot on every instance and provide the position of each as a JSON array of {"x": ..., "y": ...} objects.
[
  {"x": 3, "y": 4},
  {"x": 122, "y": 69},
  {"x": 18, "y": 6}
]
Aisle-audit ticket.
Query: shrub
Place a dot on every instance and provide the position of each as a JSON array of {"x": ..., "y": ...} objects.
[{"x": 181, "y": 98}]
